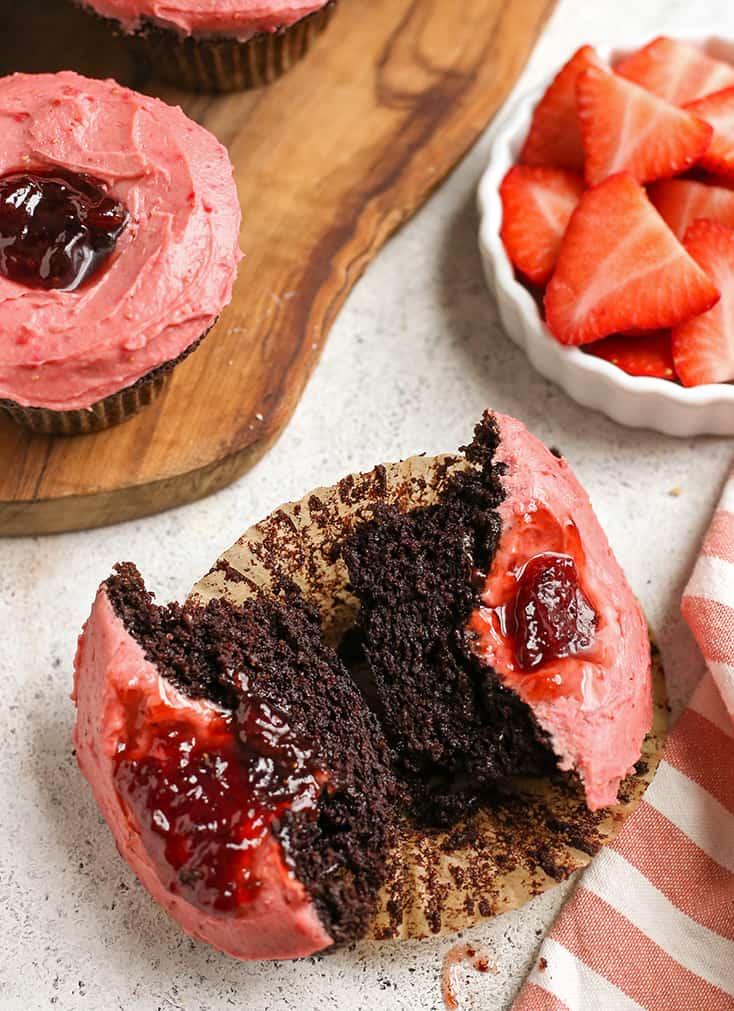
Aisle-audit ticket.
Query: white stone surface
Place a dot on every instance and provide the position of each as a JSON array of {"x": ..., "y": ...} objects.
[{"x": 414, "y": 358}]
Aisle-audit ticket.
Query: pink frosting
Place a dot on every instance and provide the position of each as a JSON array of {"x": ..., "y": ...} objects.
[
  {"x": 596, "y": 708},
  {"x": 281, "y": 921},
  {"x": 174, "y": 266},
  {"x": 239, "y": 19}
]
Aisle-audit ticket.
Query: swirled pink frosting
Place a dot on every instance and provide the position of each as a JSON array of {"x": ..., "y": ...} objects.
[
  {"x": 239, "y": 19},
  {"x": 175, "y": 263}
]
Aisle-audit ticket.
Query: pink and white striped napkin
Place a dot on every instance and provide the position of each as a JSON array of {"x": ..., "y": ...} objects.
[{"x": 651, "y": 924}]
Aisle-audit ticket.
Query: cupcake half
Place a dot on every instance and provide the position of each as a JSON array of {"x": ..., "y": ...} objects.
[
  {"x": 119, "y": 244},
  {"x": 501, "y": 631},
  {"x": 242, "y": 775},
  {"x": 212, "y": 46}
]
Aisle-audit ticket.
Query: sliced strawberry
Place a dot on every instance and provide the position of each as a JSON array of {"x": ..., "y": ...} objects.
[
  {"x": 554, "y": 137},
  {"x": 700, "y": 175},
  {"x": 703, "y": 348},
  {"x": 650, "y": 354},
  {"x": 682, "y": 201},
  {"x": 536, "y": 204},
  {"x": 625, "y": 128},
  {"x": 620, "y": 267},
  {"x": 636, "y": 331},
  {"x": 676, "y": 71},
  {"x": 718, "y": 111}
]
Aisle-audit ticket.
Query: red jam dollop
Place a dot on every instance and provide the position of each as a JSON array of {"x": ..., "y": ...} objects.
[
  {"x": 535, "y": 622},
  {"x": 205, "y": 799},
  {"x": 57, "y": 228},
  {"x": 551, "y": 616}
]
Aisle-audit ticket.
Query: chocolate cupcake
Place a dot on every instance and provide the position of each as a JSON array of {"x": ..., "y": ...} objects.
[
  {"x": 216, "y": 45},
  {"x": 119, "y": 244}
]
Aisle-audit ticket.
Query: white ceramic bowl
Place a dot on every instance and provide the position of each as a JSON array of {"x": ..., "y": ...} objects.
[{"x": 636, "y": 401}]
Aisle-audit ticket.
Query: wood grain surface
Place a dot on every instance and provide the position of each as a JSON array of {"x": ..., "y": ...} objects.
[{"x": 329, "y": 161}]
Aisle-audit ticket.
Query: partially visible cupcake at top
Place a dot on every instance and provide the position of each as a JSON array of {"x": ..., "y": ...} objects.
[
  {"x": 119, "y": 244},
  {"x": 217, "y": 45}
]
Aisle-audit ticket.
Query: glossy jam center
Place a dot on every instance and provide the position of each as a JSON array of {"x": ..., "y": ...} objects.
[
  {"x": 205, "y": 798},
  {"x": 551, "y": 617},
  {"x": 535, "y": 625},
  {"x": 57, "y": 229}
]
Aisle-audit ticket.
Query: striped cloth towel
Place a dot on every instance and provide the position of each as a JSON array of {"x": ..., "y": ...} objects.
[{"x": 651, "y": 924}]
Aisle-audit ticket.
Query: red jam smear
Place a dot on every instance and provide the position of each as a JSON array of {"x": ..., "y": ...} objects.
[
  {"x": 206, "y": 796},
  {"x": 57, "y": 228},
  {"x": 536, "y": 620}
]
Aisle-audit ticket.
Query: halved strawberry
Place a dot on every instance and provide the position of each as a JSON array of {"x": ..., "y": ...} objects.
[
  {"x": 703, "y": 348},
  {"x": 682, "y": 201},
  {"x": 625, "y": 128},
  {"x": 650, "y": 354},
  {"x": 537, "y": 202},
  {"x": 676, "y": 71},
  {"x": 620, "y": 267},
  {"x": 718, "y": 111},
  {"x": 554, "y": 137}
]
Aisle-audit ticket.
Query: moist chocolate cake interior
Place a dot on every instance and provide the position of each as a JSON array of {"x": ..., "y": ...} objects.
[
  {"x": 339, "y": 853},
  {"x": 456, "y": 730}
]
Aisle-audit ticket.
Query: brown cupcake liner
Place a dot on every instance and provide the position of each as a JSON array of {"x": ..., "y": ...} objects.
[
  {"x": 113, "y": 410},
  {"x": 222, "y": 65},
  {"x": 106, "y": 413}
]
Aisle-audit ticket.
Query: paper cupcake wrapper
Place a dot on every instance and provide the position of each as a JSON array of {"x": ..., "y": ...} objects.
[
  {"x": 221, "y": 65},
  {"x": 113, "y": 410},
  {"x": 535, "y": 833}
]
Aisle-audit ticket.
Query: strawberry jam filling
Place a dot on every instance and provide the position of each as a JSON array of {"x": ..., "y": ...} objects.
[
  {"x": 536, "y": 622},
  {"x": 57, "y": 229},
  {"x": 205, "y": 796},
  {"x": 551, "y": 617}
]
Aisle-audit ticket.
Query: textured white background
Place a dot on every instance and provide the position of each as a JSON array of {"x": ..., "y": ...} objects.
[{"x": 414, "y": 358}]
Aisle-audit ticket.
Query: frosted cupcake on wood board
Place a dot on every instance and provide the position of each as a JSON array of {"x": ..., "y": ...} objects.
[
  {"x": 119, "y": 245},
  {"x": 217, "y": 45}
]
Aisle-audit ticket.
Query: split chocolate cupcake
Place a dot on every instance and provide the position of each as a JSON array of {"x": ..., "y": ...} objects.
[
  {"x": 217, "y": 45},
  {"x": 119, "y": 244},
  {"x": 275, "y": 801}
]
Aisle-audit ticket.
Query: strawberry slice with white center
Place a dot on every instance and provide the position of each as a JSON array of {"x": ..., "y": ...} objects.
[
  {"x": 554, "y": 137},
  {"x": 537, "y": 203},
  {"x": 683, "y": 201},
  {"x": 718, "y": 111},
  {"x": 703, "y": 348},
  {"x": 676, "y": 71},
  {"x": 621, "y": 268},
  {"x": 625, "y": 128}
]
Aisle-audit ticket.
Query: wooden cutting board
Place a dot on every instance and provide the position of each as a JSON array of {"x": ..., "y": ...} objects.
[{"x": 329, "y": 161}]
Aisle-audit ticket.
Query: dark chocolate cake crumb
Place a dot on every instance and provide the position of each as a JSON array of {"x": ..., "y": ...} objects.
[
  {"x": 231, "y": 574},
  {"x": 339, "y": 854},
  {"x": 455, "y": 728}
]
